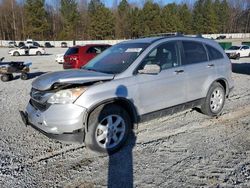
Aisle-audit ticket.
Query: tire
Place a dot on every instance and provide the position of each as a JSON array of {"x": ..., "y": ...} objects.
[
  {"x": 11, "y": 76},
  {"x": 101, "y": 136},
  {"x": 5, "y": 77},
  {"x": 38, "y": 53},
  {"x": 16, "y": 54},
  {"x": 24, "y": 76},
  {"x": 249, "y": 55},
  {"x": 214, "y": 101}
]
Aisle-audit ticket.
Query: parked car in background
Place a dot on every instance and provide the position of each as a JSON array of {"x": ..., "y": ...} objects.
[
  {"x": 236, "y": 52},
  {"x": 12, "y": 44},
  {"x": 132, "y": 81},
  {"x": 64, "y": 45},
  {"x": 27, "y": 50},
  {"x": 77, "y": 56},
  {"x": 48, "y": 45},
  {"x": 30, "y": 42},
  {"x": 59, "y": 58},
  {"x": 221, "y": 37}
]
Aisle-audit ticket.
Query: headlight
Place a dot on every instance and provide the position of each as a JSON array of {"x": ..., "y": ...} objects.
[{"x": 66, "y": 96}]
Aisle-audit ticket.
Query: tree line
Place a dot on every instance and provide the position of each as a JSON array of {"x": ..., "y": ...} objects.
[{"x": 92, "y": 20}]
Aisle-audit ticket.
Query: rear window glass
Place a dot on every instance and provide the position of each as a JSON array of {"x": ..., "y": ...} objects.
[
  {"x": 194, "y": 52},
  {"x": 71, "y": 51},
  {"x": 213, "y": 53}
]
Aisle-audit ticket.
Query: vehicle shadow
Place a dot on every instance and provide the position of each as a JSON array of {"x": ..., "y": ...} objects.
[
  {"x": 241, "y": 68},
  {"x": 120, "y": 169}
]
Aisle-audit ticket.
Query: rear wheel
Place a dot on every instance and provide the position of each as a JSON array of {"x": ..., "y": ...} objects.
[
  {"x": 214, "y": 101},
  {"x": 16, "y": 54},
  {"x": 108, "y": 129},
  {"x": 24, "y": 76},
  {"x": 5, "y": 77}
]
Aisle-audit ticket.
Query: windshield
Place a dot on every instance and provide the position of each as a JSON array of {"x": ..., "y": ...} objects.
[
  {"x": 234, "y": 48},
  {"x": 117, "y": 58}
]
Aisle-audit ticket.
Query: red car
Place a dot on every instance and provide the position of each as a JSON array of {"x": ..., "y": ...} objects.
[{"x": 77, "y": 56}]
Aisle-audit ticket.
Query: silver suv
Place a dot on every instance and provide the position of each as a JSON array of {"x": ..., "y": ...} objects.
[{"x": 132, "y": 81}]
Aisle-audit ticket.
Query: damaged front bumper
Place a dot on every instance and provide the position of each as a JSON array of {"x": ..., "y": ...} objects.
[{"x": 61, "y": 122}]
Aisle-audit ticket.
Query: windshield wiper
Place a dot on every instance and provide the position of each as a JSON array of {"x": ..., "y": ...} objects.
[{"x": 90, "y": 69}]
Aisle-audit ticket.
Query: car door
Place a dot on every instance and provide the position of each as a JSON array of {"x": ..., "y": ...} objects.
[
  {"x": 166, "y": 89},
  {"x": 22, "y": 50},
  {"x": 32, "y": 50},
  {"x": 197, "y": 68},
  {"x": 245, "y": 51}
]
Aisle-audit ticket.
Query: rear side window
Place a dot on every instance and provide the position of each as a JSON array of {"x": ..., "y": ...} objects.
[
  {"x": 96, "y": 49},
  {"x": 245, "y": 47},
  {"x": 213, "y": 53},
  {"x": 71, "y": 51},
  {"x": 194, "y": 52}
]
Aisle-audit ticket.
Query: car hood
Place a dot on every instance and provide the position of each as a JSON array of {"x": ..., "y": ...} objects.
[
  {"x": 231, "y": 51},
  {"x": 45, "y": 81}
]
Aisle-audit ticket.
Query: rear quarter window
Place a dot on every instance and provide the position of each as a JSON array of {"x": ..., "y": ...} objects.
[
  {"x": 213, "y": 53},
  {"x": 194, "y": 52}
]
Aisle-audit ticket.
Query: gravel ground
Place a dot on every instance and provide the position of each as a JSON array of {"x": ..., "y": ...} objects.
[{"x": 187, "y": 149}]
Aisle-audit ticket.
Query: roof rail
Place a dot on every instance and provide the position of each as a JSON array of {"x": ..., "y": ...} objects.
[
  {"x": 162, "y": 35},
  {"x": 176, "y": 34}
]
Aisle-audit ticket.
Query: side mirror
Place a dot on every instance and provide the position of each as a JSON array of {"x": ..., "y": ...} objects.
[{"x": 150, "y": 69}]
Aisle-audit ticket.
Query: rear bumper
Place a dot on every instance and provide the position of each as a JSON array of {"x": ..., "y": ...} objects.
[{"x": 67, "y": 65}]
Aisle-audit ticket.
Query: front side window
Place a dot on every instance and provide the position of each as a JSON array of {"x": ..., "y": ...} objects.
[
  {"x": 194, "y": 52},
  {"x": 117, "y": 58},
  {"x": 165, "y": 55},
  {"x": 213, "y": 53},
  {"x": 33, "y": 47}
]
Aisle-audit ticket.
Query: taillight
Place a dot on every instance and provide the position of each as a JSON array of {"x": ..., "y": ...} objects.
[{"x": 74, "y": 58}]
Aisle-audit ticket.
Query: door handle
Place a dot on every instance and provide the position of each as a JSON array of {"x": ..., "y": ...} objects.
[
  {"x": 179, "y": 71},
  {"x": 210, "y": 65}
]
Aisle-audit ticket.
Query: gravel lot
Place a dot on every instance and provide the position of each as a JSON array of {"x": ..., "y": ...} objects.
[{"x": 187, "y": 149}]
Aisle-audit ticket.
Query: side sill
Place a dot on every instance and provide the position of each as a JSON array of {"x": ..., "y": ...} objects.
[{"x": 170, "y": 110}]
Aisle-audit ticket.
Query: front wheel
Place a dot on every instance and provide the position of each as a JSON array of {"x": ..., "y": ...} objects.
[
  {"x": 38, "y": 53},
  {"x": 24, "y": 76},
  {"x": 214, "y": 101},
  {"x": 108, "y": 129},
  {"x": 16, "y": 54}
]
